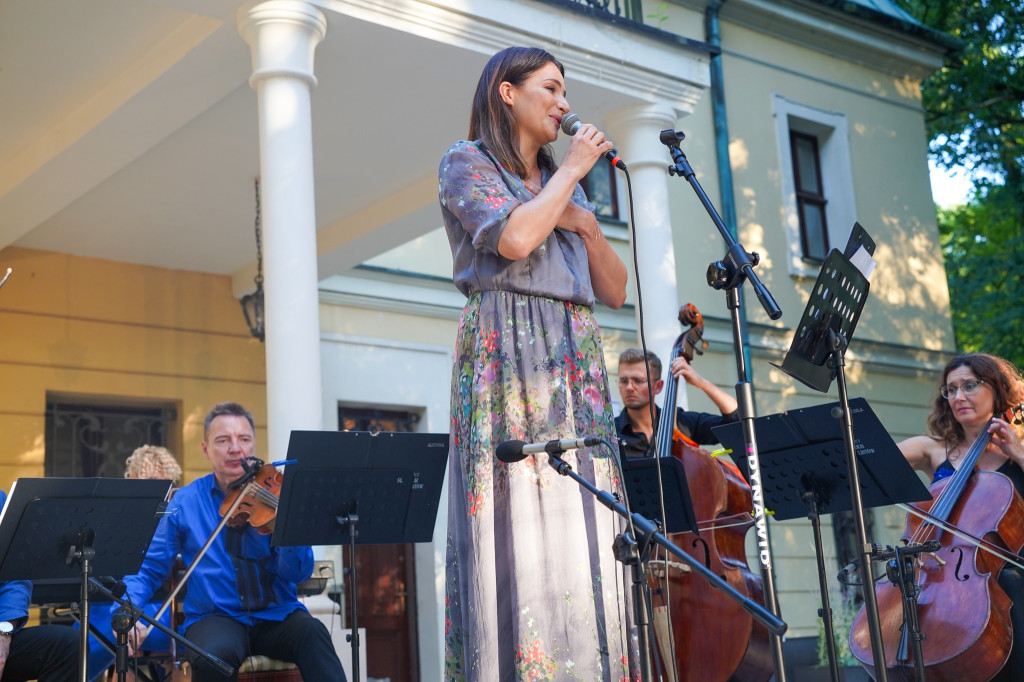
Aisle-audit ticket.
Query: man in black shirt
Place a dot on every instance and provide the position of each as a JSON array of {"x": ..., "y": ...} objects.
[{"x": 633, "y": 424}]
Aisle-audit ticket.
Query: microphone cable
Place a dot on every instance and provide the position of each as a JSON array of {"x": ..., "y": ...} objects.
[{"x": 653, "y": 443}]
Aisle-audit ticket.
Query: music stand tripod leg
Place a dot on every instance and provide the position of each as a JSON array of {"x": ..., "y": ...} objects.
[
  {"x": 837, "y": 344},
  {"x": 83, "y": 553},
  {"x": 825, "y": 613},
  {"x": 349, "y": 521}
]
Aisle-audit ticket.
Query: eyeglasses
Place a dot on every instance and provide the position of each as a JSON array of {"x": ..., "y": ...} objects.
[
  {"x": 626, "y": 381},
  {"x": 968, "y": 387}
]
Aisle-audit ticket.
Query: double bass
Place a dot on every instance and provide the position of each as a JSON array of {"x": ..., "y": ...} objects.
[
  {"x": 964, "y": 614},
  {"x": 713, "y": 638}
]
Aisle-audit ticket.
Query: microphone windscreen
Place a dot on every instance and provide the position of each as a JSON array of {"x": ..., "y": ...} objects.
[
  {"x": 571, "y": 123},
  {"x": 510, "y": 451}
]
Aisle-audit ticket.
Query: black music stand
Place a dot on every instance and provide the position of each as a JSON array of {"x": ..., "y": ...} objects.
[
  {"x": 388, "y": 483},
  {"x": 61, "y": 528},
  {"x": 816, "y": 356},
  {"x": 804, "y": 474},
  {"x": 640, "y": 479}
]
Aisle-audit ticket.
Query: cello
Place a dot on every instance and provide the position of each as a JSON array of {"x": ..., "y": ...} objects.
[
  {"x": 714, "y": 639},
  {"x": 978, "y": 519}
]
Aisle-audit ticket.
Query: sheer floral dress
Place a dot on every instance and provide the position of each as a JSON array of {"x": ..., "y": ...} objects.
[{"x": 532, "y": 589}]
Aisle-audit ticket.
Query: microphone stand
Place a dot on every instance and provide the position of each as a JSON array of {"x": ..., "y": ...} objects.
[
  {"x": 123, "y": 621},
  {"x": 635, "y": 552},
  {"x": 730, "y": 273},
  {"x": 900, "y": 571}
]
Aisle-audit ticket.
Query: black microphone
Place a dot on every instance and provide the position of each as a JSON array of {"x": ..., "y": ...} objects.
[
  {"x": 572, "y": 122},
  {"x": 514, "y": 450},
  {"x": 846, "y": 569}
]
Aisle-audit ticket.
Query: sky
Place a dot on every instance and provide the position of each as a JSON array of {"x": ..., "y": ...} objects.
[{"x": 949, "y": 188}]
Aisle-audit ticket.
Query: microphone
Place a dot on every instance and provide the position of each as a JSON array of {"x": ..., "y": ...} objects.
[
  {"x": 846, "y": 569},
  {"x": 572, "y": 122},
  {"x": 514, "y": 450}
]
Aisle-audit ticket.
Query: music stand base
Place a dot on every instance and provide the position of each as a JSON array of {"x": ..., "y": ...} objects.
[{"x": 825, "y": 613}]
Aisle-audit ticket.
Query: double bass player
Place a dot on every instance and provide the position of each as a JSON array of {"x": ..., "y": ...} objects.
[{"x": 634, "y": 427}]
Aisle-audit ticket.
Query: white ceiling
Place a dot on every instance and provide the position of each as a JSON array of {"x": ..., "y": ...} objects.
[{"x": 128, "y": 131}]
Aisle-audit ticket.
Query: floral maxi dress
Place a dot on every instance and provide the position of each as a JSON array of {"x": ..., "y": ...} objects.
[{"x": 532, "y": 590}]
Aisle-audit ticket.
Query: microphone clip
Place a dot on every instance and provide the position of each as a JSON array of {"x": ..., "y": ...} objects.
[{"x": 251, "y": 466}]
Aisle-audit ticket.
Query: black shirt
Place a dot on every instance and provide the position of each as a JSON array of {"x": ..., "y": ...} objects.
[{"x": 695, "y": 425}]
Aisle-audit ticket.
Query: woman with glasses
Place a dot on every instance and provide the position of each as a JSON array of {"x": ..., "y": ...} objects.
[
  {"x": 975, "y": 388},
  {"x": 976, "y": 392},
  {"x": 532, "y": 589}
]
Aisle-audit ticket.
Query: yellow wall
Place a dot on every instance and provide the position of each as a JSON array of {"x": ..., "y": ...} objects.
[{"x": 103, "y": 329}]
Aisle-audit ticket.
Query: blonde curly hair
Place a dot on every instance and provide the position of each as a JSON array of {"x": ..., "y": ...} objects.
[{"x": 152, "y": 461}]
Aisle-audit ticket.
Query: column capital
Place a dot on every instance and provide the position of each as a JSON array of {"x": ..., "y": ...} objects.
[
  {"x": 636, "y": 130},
  {"x": 282, "y": 35},
  {"x": 660, "y": 115}
]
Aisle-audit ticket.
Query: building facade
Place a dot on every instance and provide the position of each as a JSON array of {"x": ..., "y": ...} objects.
[{"x": 127, "y": 214}]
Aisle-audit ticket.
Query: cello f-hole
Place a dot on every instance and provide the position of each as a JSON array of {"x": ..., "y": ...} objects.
[{"x": 959, "y": 564}]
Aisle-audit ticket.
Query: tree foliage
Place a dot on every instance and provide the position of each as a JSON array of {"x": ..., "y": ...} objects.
[
  {"x": 984, "y": 251},
  {"x": 974, "y": 109}
]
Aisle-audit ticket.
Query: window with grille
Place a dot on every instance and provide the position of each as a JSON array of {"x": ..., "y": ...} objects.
[{"x": 93, "y": 439}]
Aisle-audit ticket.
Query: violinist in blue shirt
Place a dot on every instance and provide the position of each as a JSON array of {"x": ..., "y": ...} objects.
[
  {"x": 48, "y": 653},
  {"x": 241, "y": 600}
]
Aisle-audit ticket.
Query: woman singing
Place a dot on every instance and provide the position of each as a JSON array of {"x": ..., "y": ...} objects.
[
  {"x": 532, "y": 588},
  {"x": 975, "y": 389}
]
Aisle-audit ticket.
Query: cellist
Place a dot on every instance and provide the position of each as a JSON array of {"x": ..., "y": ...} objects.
[
  {"x": 633, "y": 424},
  {"x": 975, "y": 389},
  {"x": 242, "y": 599}
]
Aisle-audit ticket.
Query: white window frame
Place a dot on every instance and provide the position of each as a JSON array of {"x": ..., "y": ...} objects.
[{"x": 832, "y": 132}]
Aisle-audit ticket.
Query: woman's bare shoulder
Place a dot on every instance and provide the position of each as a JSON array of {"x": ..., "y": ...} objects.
[{"x": 924, "y": 453}]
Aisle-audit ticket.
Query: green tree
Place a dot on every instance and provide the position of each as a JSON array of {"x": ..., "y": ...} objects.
[
  {"x": 974, "y": 109},
  {"x": 984, "y": 251}
]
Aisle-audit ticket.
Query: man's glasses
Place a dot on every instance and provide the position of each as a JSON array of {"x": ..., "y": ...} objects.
[
  {"x": 626, "y": 381},
  {"x": 968, "y": 387}
]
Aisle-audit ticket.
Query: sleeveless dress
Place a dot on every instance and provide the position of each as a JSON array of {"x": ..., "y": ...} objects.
[
  {"x": 1011, "y": 579},
  {"x": 532, "y": 590}
]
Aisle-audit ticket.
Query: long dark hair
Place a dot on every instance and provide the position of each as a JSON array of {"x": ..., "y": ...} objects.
[
  {"x": 998, "y": 374},
  {"x": 491, "y": 120}
]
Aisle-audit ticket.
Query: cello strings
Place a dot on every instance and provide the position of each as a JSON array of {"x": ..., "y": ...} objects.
[
  {"x": 980, "y": 543},
  {"x": 951, "y": 493}
]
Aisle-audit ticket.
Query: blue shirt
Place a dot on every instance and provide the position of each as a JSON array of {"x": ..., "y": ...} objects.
[
  {"x": 14, "y": 594},
  {"x": 241, "y": 576}
]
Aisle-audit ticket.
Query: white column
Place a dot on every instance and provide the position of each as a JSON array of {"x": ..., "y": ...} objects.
[
  {"x": 635, "y": 131},
  {"x": 283, "y": 35}
]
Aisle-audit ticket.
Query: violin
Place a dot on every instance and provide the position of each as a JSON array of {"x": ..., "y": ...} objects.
[
  {"x": 978, "y": 519},
  {"x": 713, "y": 637},
  {"x": 259, "y": 490}
]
